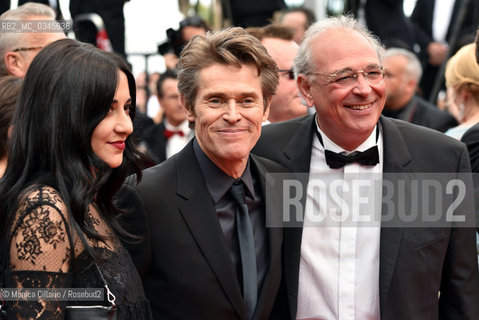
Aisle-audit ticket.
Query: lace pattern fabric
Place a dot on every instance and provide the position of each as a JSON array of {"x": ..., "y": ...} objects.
[{"x": 45, "y": 253}]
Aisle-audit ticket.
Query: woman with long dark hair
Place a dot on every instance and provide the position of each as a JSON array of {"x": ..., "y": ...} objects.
[
  {"x": 9, "y": 89},
  {"x": 70, "y": 151}
]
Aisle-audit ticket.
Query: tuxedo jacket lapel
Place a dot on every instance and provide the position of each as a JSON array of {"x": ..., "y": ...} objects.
[
  {"x": 297, "y": 158},
  {"x": 200, "y": 215},
  {"x": 396, "y": 159},
  {"x": 298, "y": 151},
  {"x": 275, "y": 235}
]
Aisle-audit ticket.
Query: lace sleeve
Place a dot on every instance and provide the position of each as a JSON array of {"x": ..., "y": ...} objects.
[{"x": 40, "y": 254}]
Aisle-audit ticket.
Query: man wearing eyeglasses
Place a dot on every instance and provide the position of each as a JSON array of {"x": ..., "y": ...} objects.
[
  {"x": 287, "y": 103},
  {"x": 354, "y": 253},
  {"x": 19, "y": 45}
]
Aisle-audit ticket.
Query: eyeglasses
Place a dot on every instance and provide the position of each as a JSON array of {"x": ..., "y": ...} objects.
[
  {"x": 289, "y": 71},
  {"x": 27, "y": 49},
  {"x": 348, "y": 78}
]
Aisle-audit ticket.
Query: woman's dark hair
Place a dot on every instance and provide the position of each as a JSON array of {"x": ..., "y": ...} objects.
[
  {"x": 67, "y": 91},
  {"x": 9, "y": 90}
]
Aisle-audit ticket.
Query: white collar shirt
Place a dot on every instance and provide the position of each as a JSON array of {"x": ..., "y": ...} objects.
[
  {"x": 441, "y": 19},
  {"x": 339, "y": 267},
  {"x": 176, "y": 142}
]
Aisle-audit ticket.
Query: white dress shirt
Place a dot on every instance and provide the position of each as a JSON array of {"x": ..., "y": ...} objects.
[
  {"x": 152, "y": 106},
  {"x": 441, "y": 19},
  {"x": 339, "y": 267},
  {"x": 176, "y": 142}
]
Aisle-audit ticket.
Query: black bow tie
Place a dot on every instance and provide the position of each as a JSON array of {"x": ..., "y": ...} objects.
[
  {"x": 369, "y": 157},
  {"x": 335, "y": 160}
]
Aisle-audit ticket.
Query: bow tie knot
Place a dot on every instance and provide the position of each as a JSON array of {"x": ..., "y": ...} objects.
[
  {"x": 370, "y": 157},
  {"x": 169, "y": 133}
]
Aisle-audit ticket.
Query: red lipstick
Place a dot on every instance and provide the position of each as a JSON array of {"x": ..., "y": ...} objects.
[{"x": 120, "y": 145}]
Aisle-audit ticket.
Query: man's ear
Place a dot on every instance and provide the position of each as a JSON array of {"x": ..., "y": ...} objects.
[
  {"x": 304, "y": 87},
  {"x": 190, "y": 115},
  {"x": 15, "y": 64},
  {"x": 411, "y": 85}
]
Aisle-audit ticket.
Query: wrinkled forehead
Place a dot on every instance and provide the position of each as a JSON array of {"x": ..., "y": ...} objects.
[{"x": 341, "y": 48}]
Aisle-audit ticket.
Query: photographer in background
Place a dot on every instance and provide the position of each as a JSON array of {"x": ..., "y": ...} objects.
[{"x": 177, "y": 39}]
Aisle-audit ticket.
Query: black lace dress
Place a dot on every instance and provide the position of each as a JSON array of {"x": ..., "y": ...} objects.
[{"x": 42, "y": 256}]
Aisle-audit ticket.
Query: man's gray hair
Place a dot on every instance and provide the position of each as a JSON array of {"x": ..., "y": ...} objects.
[
  {"x": 304, "y": 63},
  {"x": 10, "y": 40},
  {"x": 413, "y": 66}
]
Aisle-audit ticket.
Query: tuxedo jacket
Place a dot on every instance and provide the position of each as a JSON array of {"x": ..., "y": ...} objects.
[
  {"x": 187, "y": 270},
  {"x": 428, "y": 115},
  {"x": 422, "y": 20},
  {"x": 471, "y": 139},
  {"x": 414, "y": 263},
  {"x": 156, "y": 141},
  {"x": 423, "y": 14}
]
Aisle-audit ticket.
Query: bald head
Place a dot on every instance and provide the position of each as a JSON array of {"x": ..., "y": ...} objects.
[{"x": 17, "y": 49}]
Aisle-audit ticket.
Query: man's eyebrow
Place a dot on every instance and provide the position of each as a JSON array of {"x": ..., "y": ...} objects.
[{"x": 222, "y": 94}]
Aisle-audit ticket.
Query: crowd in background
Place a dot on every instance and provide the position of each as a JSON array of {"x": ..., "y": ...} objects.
[{"x": 75, "y": 123}]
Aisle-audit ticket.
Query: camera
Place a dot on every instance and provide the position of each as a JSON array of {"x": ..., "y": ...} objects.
[{"x": 173, "y": 44}]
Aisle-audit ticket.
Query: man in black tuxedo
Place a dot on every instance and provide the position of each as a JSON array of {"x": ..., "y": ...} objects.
[
  {"x": 403, "y": 72},
  {"x": 169, "y": 136},
  {"x": 435, "y": 38},
  {"x": 209, "y": 257},
  {"x": 379, "y": 271},
  {"x": 386, "y": 19}
]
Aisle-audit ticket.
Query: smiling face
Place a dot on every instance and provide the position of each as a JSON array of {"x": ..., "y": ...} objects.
[
  {"x": 228, "y": 112},
  {"x": 346, "y": 114},
  {"x": 108, "y": 138}
]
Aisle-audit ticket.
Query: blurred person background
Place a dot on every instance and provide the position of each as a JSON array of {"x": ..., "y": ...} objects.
[
  {"x": 298, "y": 19},
  {"x": 17, "y": 48},
  {"x": 403, "y": 72},
  {"x": 462, "y": 81},
  {"x": 441, "y": 27},
  {"x": 386, "y": 19},
  {"x": 172, "y": 132},
  {"x": 286, "y": 102}
]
